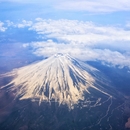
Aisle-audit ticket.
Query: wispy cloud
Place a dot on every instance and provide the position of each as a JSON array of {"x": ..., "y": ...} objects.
[
  {"x": 98, "y": 6},
  {"x": 21, "y": 1},
  {"x": 128, "y": 25},
  {"x": 24, "y": 24},
  {"x": 9, "y": 23},
  {"x": 94, "y": 6},
  {"x": 2, "y": 28}
]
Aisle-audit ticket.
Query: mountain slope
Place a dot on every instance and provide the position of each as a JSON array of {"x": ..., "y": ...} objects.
[{"x": 59, "y": 78}]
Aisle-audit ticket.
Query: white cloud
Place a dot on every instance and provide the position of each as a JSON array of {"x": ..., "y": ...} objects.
[
  {"x": 24, "y": 24},
  {"x": 83, "y": 40},
  {"x": 128, "y": 25},
  {"x": 9, "y": 23},
  {"x": 94, "y": 5},
  {"x": 83, "y": 33},
  {"x": 25, "y": 45},
  {"x": 49, "y": 48},
  {"x": 2, "y": 28}
]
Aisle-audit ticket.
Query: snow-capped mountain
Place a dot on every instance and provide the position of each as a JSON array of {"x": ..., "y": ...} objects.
[{"x": 60, "y": 78}]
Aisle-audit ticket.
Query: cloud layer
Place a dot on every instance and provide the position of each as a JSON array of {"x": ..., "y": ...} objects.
[
  {"x": 83, "y": 40},
  {"x": 49, "y": 48}
]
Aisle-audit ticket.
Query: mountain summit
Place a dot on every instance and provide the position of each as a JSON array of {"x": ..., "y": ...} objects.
[{"x": 60, "y": 78}]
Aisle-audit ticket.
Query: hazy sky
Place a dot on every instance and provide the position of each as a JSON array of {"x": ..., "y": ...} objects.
[{"x": 87, "y": 29}]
